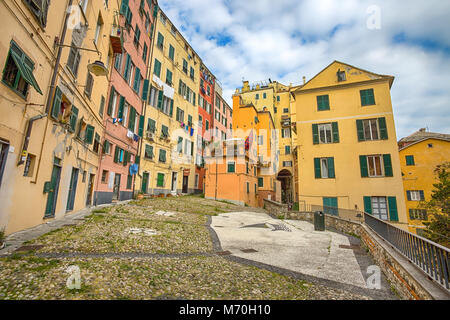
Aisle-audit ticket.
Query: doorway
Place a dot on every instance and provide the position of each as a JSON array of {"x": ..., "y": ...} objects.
[
  {"x": 53, "y": 192},
  {"x": 72, "y": 190},
  {"x": 116, "y": 189},
  {"x": 90, "y": 190},
  {"x": 145, "y": 179},
  {"x": 185, "y": 184},
  {"x": 174, "y": 182}
]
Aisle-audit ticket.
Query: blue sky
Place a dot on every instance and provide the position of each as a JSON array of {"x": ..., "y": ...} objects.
[{"x": 287, "y": 39}]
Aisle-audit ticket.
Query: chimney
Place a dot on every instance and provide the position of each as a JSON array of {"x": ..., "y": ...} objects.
[
  {"x": 423, "y": 130},
  {"x": 304, "y": 79}
]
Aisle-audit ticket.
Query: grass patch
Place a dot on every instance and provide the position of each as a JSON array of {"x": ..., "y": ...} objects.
[{"x": 102, "y": 210}]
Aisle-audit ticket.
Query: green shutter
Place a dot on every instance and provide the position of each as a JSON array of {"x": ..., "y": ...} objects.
[
  {"x": 383, "y": 128},
  {"x": 260, "y": 182},
  {"x": 180, "y": 144},
  {"x": 89, "y": 137},
  {"x": 331, "y": 173},
  {"x": 171, "y": 52},
  {"x": 57, "y": 103},
  {"x": 160, "y": 182},
  {"x": 408, "y": 195},
  {"x": 367, "y": 97},
  {"x": 160, "y": 99},
  {"x": 323, "y": 103},
  {"x": 132, "y": 120},
  {"x": 231, "y": 167},
  {"x": 157, "y": 69},
  {"x": 364, "y": 168},
  {"x": 360, "y": 130},
  {"x": 151, "y": 125},
  {"x": 126, "y": 74},
  {"x": 335, "y": 129},
  {"x": 393, "y": 213},
  {"x": 110, "y": 104},
  {"x": 125, "y": 158},
  {"x": 315, "y": 129},
  {"x": 368, "y": 205},
  {"x": 410, "y": 161},
  {"x": 387, "y": 165},
  {"x": 116, "y": 154},
  {"x": 121, "y": 107},
  {"x": 145, "y": 89},
  {"x": 141, "y": 126},
  {"x": 317, "y": 171},
  {"x": 73, "y": 119},
  {"x": 124, "y": 7},
  {"x": 137, "y": 80}
]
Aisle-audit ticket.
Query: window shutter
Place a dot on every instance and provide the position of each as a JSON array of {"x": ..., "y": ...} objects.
[
  {"x": 137, "y": 79},
  {"x": 125, "y": 158},
  {"x": 393, "y": 213},
  {"x": 192, "y": 148},
  {"x": 73, "y": 119},
  {"x": 317, "y": 171},
  {"x": 160, "y": 99},
  {"x": 110, "y": 104},
  {"x": 331, "y": 173},
  {"x": 335, "y": 129},
  {"x": 121, "y": 106},
  {"x": 126, "y": 74},
  {"x": 89, "y": 138},
  {"x": 387, "y": 165},
  {"x": 364, "y": 168},
  {"x": 57, "y": 103},
  {"x": 145, "y": 90},
  {"x": 116, "y": 154},
  {"x": 360, "y": 130},
  {"x": 408, "y": 195},
  {"x": 368, "y": 205},
  {"x": 124, "y": 7},
  {"x": 171, "y": 108},
  {"x": 141, "y": 126},
  {"x": 383, "y": 128},
  {"x": 315, "y": 129},
  {"x": 422, "y": 195},
  {"x": 132, "y": 120}
]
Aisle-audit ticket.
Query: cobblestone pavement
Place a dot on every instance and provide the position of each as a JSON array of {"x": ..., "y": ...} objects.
[{"x": 148, "y": 249}]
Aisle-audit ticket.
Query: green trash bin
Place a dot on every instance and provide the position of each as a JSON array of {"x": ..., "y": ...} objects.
[{"x": 319, "y": 221}]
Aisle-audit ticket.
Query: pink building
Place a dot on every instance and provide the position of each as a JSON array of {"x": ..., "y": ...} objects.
[{"x": 123, "y": 119}]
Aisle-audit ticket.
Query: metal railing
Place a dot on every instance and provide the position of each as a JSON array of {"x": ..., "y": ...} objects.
[
  {"x": 348, "y": 214},
  {"x": 430, "y": 257}
]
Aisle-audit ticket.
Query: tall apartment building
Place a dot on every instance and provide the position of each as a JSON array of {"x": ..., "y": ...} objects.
[
  {"x": 168, "y": 150},
  {"x": 51, "y": 102},
  {"x": 347, "y": 145},
  {"x": 123, "y": 117},
  {"x": 275, "y": 98}
]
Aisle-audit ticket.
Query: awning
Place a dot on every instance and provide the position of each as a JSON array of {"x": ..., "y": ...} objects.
[{"x": 26, "y": 73}]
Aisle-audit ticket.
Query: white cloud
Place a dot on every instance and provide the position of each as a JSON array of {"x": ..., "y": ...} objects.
[{"x": 287, "y": 39}]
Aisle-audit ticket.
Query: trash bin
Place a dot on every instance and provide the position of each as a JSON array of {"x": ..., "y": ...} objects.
[{"x": 319, "y": 221}]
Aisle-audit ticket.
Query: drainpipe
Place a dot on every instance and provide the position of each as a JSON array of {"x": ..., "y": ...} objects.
[
  {"x": 28, "y": 135},
  {"x": 52, "y": 84}
]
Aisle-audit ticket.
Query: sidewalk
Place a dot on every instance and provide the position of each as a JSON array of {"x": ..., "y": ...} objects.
[{"x": 15, "y": 240}]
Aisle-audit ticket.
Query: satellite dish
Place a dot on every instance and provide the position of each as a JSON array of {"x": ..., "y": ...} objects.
[{"x": 98, "y": 68}]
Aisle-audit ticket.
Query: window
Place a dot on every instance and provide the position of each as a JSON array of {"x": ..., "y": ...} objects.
[
  {"x": 180, "y": 115},
  {"x": 157, "y": 68},
  {"x": 162, "y": 156},
  {"x": 324, "y": 168},
  {"x": 415, "y": 195},
  {"x": 102, "y": 105},
  {"x": 341, "y": 76},
  {"x": 231, "y": 167},
  {"x": 196, "y": 180},
  {"x": 330, "y": 206},
  {"x": 192, "y": 73},
  {"x": 18, "y": 71},
  {"x": 261, "y": 182},
  {"x": 169, "y": 75},
  {"x": 89, "y": 85},
  {"x": 257, "y": 96},
  {"x": 372, "y": 129},
  {"x": 410, "y": 161},
  {"x": 148, "y": 152},
  {"x": 144, "y": 53},
  {"x": 160, "y": 41},
  {"x": 40, "y": 9},
  {"x": 286, "y": 110},
  {"x": 104, "y": 176},
  {"x": 98, "y": 29},
  {"x": 118, "y": 63},
  {"x": 287, "y": 150},
  {"x": 260, "y": 140},
  {"x": 74, "y": 59},
  {"x": 248, "y": 187},
  {"x": 264, "y": 95},
  {"x": 180, "y": 145},
  {"x": 107, "y": 147},
  {"x": 129, "y": 182},
  {"x": 325, "y": 133},
  {"x": 323, "y": 103},
  {"x": 185, "y": 66},
  {"x": 287, "y": 164},
  {"x": 160, "y": 180},
  {"x": 29, "y": 166},
  {"x": 171, "y": 53},
  {"x": 418, "y": 214},
  {"x": 206, "y": 125},
  {"x": 151, "y": 126},
  {"x": 376, "y": 166},
  {"x": 379, "y": 207},
  {"x": 367, "y": 97},
  {"x": 286, "y": 133},
  {"x": 96, "y": 143}
]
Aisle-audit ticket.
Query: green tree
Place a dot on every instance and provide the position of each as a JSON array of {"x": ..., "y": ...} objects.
[{"x": 438, "y": 208}]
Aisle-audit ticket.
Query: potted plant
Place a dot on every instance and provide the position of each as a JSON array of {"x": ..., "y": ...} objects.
[{"x": 2, "y": 239}]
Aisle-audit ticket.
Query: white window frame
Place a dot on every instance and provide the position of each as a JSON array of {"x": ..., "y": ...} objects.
[
  {"x": 369, "y": 123},
  {"x": 380, "y": 207},
  {"x": 327, "y": 131},
  {"x": 415, "y": 195},
  {"x": 324, "y": 168},
  {"x": 371, "y": 161}
]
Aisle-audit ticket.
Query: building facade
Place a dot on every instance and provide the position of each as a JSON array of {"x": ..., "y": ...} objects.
[
  {"x": 347, "y": 146},
  {"x": 123, "y": 117},
  {"x": 420, "y": 154},
  {"x": 51, "y": 102}
]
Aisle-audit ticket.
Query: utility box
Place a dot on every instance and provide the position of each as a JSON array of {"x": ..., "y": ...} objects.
[{"x": 319, "y": 221}]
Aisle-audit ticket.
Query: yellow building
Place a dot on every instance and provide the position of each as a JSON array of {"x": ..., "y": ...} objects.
[
  {"x": 275, "y": 98},
  {"x": 51, "y": 116},
  {"x": 347, "y": 147},
  {"x": 170, "y": 138},
  {"x": 420, "y": 154}
]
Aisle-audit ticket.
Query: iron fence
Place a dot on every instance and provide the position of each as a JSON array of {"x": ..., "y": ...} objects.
[{"x": 430, "y": 257}]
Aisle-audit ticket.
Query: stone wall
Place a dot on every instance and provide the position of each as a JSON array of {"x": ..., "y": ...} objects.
[{"x": 408, "y": 281}]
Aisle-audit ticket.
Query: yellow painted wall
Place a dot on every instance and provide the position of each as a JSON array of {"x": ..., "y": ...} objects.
[
  {"x": 345, "y": 108},
  {"x": 421, "y": 176}
]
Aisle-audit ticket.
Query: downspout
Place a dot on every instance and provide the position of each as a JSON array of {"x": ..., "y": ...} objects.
[
  {"x": 28, "y": 135},
  {"x": 52, "y": 85}
]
